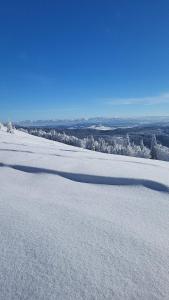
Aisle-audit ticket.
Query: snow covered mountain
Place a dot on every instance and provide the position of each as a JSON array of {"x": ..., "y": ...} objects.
[
  {"x": 76, "y": 224},
  {"x": 100, "y": 121}
]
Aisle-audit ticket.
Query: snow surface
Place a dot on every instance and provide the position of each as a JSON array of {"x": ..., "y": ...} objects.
[
  {"x": 101, "y": 127},
  {"x": 76, "y": 224}
]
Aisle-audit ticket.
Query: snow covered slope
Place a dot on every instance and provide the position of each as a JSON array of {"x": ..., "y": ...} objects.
[{"x": 76, "y": 224}]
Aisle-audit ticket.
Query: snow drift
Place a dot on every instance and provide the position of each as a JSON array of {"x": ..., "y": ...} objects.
[{"x": 76, "y": 224}]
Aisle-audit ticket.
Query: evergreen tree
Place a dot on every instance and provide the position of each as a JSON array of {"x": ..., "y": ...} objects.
[
  {"x": 10, "y": 128},
  {"x": 153, "y": 152},
  {"x": 141, "y": 144}
]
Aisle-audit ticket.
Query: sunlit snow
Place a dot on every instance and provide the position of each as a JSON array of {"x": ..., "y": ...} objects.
[{"x": 76, "y": 224}]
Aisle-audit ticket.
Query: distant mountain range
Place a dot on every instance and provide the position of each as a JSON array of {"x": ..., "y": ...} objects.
[{"x": 101, "y": 122}]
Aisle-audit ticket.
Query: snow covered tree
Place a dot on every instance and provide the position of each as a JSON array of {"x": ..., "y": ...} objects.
[
  {"x": 128, "y": 140},
  {"x": 153, "y": 152},
  {"x": 142, "y": 144},
  {"x": 102, "y": 145},
  {"x": 90, "y": 142},
  {"x": 10, "y": 128},
  {"x": 162, "y": 152}
]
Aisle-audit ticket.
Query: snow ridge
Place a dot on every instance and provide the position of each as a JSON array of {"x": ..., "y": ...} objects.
[{"x": 76, "y": 224}]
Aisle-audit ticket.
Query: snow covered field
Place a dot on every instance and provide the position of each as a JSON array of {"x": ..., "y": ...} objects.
[{"x": 76, "y": 224}]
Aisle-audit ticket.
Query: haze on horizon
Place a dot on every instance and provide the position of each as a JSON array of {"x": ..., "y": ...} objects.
[{"x": 72, "y": 59}]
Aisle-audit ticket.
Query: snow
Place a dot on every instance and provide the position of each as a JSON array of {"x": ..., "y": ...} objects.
[
  {"x": 101, "y": 127},
  {"x": 76, "y": 224}
]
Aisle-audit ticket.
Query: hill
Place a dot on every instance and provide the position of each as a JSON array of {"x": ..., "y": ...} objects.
[{"x": 77, "y": 224}]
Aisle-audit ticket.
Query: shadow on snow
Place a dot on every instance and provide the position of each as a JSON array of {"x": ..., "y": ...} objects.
[
  {"x": 14, "y": 150},
  {"x": 93, "y": 179}
]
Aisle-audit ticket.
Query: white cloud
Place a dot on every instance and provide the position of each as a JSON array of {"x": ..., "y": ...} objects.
[{"x": 161, "y": 99}]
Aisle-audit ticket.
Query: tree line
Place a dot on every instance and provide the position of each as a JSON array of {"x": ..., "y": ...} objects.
[{"x": 119, "y": 146}]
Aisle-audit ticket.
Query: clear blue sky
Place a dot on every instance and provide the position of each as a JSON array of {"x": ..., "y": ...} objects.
[{"x": 82, "y": 58}]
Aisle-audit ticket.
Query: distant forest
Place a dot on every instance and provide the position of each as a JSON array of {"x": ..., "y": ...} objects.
[{"x": 148, "y": 142}]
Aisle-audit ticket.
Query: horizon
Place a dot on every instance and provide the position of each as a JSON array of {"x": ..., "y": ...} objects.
[
  {"x": 85, "y": 118},
  {"x": 90, "y": 119},
  {"x": 63, "y": 60}
]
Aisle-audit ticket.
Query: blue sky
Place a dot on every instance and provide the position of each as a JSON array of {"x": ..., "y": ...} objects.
[{"x": 74, "y": 58}]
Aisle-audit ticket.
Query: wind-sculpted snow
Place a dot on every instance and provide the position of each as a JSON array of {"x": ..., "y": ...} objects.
[
  {"x": 75, "y": 224},
  {"x": 91, "y": 179}
]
